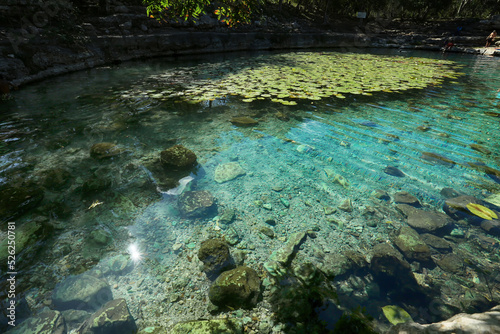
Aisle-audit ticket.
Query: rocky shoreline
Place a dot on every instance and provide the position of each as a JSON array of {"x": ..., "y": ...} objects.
[{"x": 31, "y": 52}]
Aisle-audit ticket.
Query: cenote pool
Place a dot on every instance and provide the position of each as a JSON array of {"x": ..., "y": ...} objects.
[{"x": 329, "y": 180}]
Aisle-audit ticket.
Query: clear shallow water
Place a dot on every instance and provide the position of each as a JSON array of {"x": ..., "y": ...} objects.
[{"x": 291, "y": 159}]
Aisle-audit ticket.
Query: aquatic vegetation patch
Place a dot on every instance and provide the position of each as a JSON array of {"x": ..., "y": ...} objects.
[{"x": 291, "y": 77}]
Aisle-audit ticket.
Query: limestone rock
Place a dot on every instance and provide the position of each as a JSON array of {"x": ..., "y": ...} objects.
[
  {"x": 412, "y": 246},
  {"x": 236, "y": 288},
  {"x": 244, "y": 121},
  {"x": 82, "y": 292},
  {"x": 196, "y": 203},
  {"x": 178, "y": 157},
  {"x": 112, "y": 318},
  {"x": 403, "y": 197},
  {"x": 47, "y": 322},
  {"x": 105, "y": 150},
  {"x": 17, "y": 200},
  {"x": 227, "y": 172},
  {"x": 214, "y": 253},
  {"x": 428, "y": 221},
  {"x": 213, "y": 326},
  {"x": 477, "y": 323}
]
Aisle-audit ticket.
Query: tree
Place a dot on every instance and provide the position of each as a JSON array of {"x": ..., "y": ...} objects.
[{"x": 232, "y": 12}]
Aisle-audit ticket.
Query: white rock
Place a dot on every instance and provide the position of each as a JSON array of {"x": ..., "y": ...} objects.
[{"x": 227, "y": 172}]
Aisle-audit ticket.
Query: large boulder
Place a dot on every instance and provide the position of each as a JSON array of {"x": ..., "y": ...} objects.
[
  {"x": 236, "y": 288},
  {"x": 82, "y": 292},
  {"x": 112, "y": 318},
  {"x": 196, "y": 203},
  {"x": 178, "y": 157},
  {"x": 46, "y": 322},
  {"x": 214, "y": 253}
]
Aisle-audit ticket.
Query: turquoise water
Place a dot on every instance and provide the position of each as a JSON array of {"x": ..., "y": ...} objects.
[{"x": 301, "y": 163}]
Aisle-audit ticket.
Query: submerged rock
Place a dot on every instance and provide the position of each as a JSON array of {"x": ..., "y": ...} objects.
[
  {"x": 394, "y": 171},
  {"x": 114, "y": 318},
  {"x": 178, "y": 157},
  {"x": 437, "y": 159},
  {"x": 236, "y": 288},
  {"x": 17, "y": 200},
  {"x": 196, "y": 203},
  {"x": 449, "y": 193},
  {"x": 55, "y": 178},
  {"x": 213, "y": 326},
  {"x": 214, "y": 253},
  {"x": 436, "y": 242},
  {"x": 451, "y": 263},
  {"x": 82, "y": 292},
  {"x": 412, "y": 246},
  {"x": 46, "y": 322},
  {"x": 105, "y": 150},
  {"x": 27, "y": 234},
  {"x": 457, "y": 209},
  {"x": 491, "y": 226},
  {"x": 480, "y": 148},
  {"x": 346, "y": 206},
  {"x": 227, "y": 172},
  {"x": 428, "y": 221},
  {"x": 244, "y": 121},
  {"x": 404, "y": 197}
]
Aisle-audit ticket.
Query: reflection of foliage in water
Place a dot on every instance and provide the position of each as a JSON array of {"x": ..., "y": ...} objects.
[{"x": 287, "y": 78}]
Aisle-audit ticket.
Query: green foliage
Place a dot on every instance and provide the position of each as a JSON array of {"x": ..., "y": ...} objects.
[{"x": 232, "y": 12}]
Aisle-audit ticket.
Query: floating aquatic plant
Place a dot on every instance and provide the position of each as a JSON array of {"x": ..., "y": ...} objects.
[
  {"x": 396, "y": 315},
  {"x": 481, "y": 211},
  {"x": 288, "y": 78}
]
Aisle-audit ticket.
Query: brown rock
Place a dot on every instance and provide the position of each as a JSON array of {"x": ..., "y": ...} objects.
[
  {"x": 404, "y": 197},
  {"x": 451, "y": 263},
  {"x": 244, "y": 121},
  {"x": 104, "y": 150},
  {"x": 412, "y": 246},
  {"x": 437, "y": 159},
  {"x": 491, "y": 226},
  {"x": 436, "y": 242},
  {"x": 428, "y": 221},
  {"x": 480, "y": 148}
]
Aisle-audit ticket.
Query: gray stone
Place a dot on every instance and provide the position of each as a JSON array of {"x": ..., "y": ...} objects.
[
  {"x": 428, "y": 221},
  {"x": 436, "y": 242},
  {"x": 451, "y": 263},
  {"x": 491, "y": 226},
  {"x": 112, "y": 318},
  {"x": 227, "y": 172},
  {"x": 82, "y": 292}
]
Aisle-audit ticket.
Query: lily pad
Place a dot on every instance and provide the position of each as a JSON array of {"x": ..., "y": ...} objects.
[
  {"x": 396, "y": 315},
  {"x": 481, "y": 211}
]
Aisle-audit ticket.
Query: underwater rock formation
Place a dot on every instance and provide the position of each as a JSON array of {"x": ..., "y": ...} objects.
[
  {"x": 227, "y": 172},
  {"x": 196, "y": 203},
  {"x": 113, "y": 317},
  {"x": 178, "y": 157},
  {"x": 105, "y": 150},
  {"x": 17, "y": 200},
  {"x": 46, "y": 322},
  {"x": 214, "y": 253},
  {"x": 236, "y": 288},
  {"x": 84, "y": 292}
]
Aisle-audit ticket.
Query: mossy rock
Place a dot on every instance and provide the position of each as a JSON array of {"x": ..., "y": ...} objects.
[
  {"x": 112, "y": 318},
  {"x": 26, "y": 234},
  {"x": 236, "y": 288},
  {"x": 244, "y": 121},
  {"x": 105, "y": 150},
  {"x": 178, "y": 157},
  {"x": 214, "y": 253}
]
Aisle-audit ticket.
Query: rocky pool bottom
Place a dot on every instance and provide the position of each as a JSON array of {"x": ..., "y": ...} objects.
[
  {"x": 129, "y": 217},
  {"x": 270, "y": 266}
]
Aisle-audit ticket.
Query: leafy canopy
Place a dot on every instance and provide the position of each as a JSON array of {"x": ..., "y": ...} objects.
[{"x": 232, "y": 12}]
